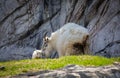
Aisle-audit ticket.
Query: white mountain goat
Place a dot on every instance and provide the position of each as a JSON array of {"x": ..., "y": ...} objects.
[{"x": 71, "y": 39}]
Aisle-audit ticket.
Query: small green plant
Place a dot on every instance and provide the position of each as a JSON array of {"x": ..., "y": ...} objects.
[{"x": 23, "y": 66}]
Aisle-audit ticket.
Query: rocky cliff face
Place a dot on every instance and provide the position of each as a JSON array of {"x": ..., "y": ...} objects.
[{"x": 23, "y": 24}]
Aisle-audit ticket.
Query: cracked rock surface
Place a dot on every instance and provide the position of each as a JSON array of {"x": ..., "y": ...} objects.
[
  {"x": 75, "y": 71},
  {"x": 23, "y": 24}
]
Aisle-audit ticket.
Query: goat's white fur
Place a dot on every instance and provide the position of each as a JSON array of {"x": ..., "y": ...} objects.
[{"x": 63, "y": 39}]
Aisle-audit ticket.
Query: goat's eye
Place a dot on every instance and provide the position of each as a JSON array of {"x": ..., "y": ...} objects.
[{"x": 44, "y": 46}]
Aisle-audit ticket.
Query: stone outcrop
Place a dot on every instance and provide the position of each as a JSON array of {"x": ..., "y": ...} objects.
[
  {"x": 23, "y": 24},
  {"x": 75, "y": 71}
]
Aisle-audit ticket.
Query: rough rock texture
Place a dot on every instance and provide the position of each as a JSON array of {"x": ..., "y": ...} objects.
[
  {"x": 75, "y": 71},
  {"x": 24, "y": 22}
]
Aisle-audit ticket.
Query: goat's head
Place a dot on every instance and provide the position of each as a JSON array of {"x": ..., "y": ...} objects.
[{"x": 47, "y": 46}]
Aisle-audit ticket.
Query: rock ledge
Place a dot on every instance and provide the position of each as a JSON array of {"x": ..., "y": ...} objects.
[{"x": 75, "y": 71}]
